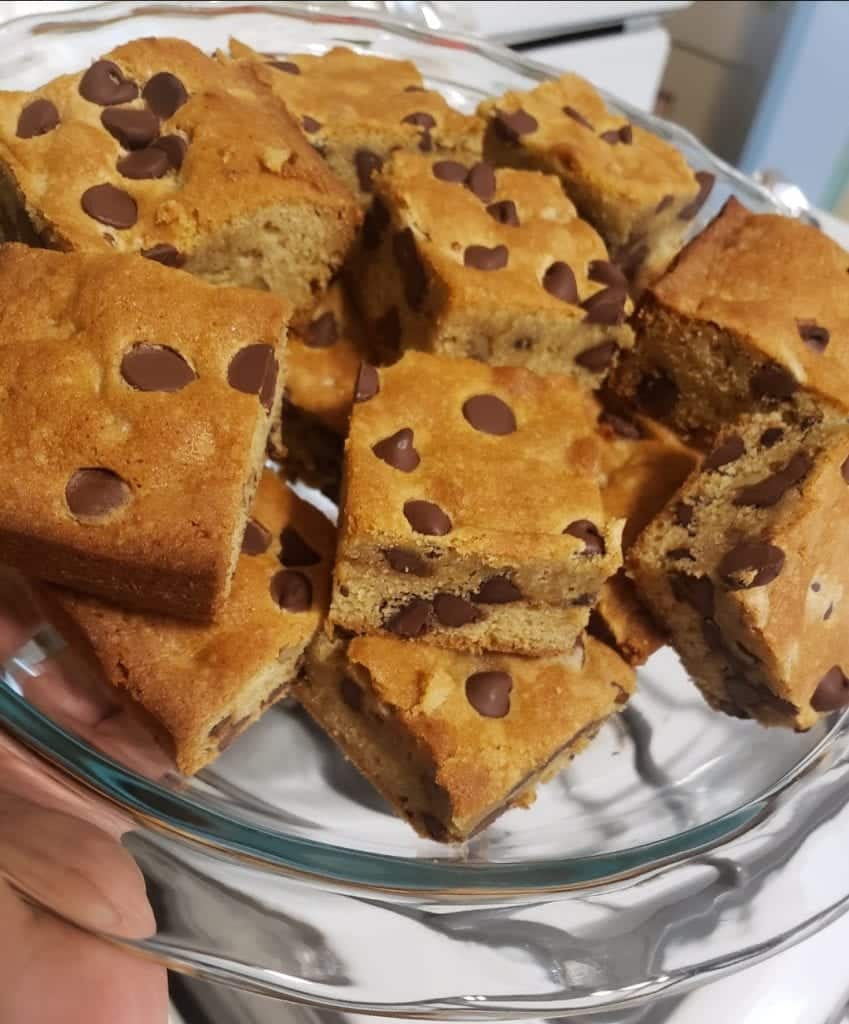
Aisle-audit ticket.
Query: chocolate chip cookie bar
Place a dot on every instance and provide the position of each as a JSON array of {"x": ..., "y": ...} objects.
[
  {"x": 642, "y": 466},
  {"x": 356, "y": 109},
  {"x": 453, "y": 740},
  {"x": 471, "y": 513},
  {"x": 202, "y": 684},
  {"x": 633, "y": 187},
  {"x": 323, "y": 360},
  {"x": 741, "y": 567},
  {"x": 462, "y": 260},
  {"x": 157, "y": 149},
  {"x": 135, "y": 404},
  {"x": 752, "y": 313}
]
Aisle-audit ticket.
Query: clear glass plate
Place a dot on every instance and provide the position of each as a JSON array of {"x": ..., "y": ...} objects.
[{"x": 683, "y": 844}]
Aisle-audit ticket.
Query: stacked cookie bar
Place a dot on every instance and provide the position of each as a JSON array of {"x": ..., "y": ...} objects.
[{"x": 555, "y": 444}]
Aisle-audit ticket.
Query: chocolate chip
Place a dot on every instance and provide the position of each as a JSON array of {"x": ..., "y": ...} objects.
[
  {"x": 322, "y": 332},
  {"x": 156, "y": 368},
  {"x": 605, "y": 307},
  {"x": 405, "y": 561},
  {"x": 368, "y": 383},
  {"x": 387, "y": 328},
  {"x": 696, "y": 591},
  {"x": 351, "y": 694},
  {"x": 844, "y": 470},
  {"x": 771, "y": 490},
  {"x": 664, "y": 204},
  {"x": 605, "y": 272},
  {"x": 375, "y": 223},
  {"x": 427, "y": 518},
  {"x": 705, "y": 181},
  {"x": 510, "y": 127},
  {"x": 625, "y": 135},
  {"x": 450, "y": 170},
  {"x": 96, "y": 492},
  {"x": 397, "y": 451},
  {"x": 576, "y": 115},
  {"x": 366, "y": 164},
  {"x": 629, "y": 258},
  {"x": 413, "y": 276},
  {"x": 291, "y": 590},
  {"x": 560, "y": 282},
  {"x": 174, "y": 147},
  {"x": 771, "y": 436},
  {"x": 832, "y": 691},
  {"x": 621, "y": 426},
  {"x": 597, "y": 357},
  {"x": 256, "y": 539},
  {"x": 253, "y": 370},
  {"x": 772, "y": 381},
  {"x": 523, "y": 344},
  {"x": 167, "y": 255},
  {"x": 813, "y": 335},
  {"x": 294, "y": 550},
  {"x": 414, "y": 88},
  {"x": 227, "y": 730},
  {"x": 481, "y": 181},
  {"x": 480, "y": 257},
  {"x": 111, "y": 206},
  {"x": 105, "y": 85},
  {"x": 309, "y": 124},
  {"x": 657, "y": 393},
  {"x": 729, "y": 451},
  {"x": 144, "y": 163},
  {"x": 497, "y": 590},
  {"x": 290, "y": 67},
  {"x": 588, "y": 532},
  {"x": 453, "y": 611},
  {"x": 411, "y": 620},
  {"x": 420, "y": 118},
  {"x": 828, "y": 612},
  {"x": 164, "y": 94},
  {"x": 816, "y": 587},
  {"x": 504, "y": 212},
  {"x": 489, "y": 414},
  {"x": 134, "y": 129},
  {"x": 751, "y": 563},
  {"x": 683, "y": 513},
  {"x": 680, "y": 555},
  {"x": 37, "y": 118},
  {"x": 489, "y": 693}
]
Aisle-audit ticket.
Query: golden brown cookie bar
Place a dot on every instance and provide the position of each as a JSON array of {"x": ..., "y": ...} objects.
[
  {"x": 323, "y": 359},
  {"x": 463, "y": 261},
  {"x": 633, "y": 187},
  {"x": 642, "y": 466},
  {"x": 754, "y": 311},
  {"x": 471, "y": 511},
  {"x": 356, "y": 109},
  {"x": 205, "y": 684},
  {"x": 135, "y": 404},
  {"x": 159, "y": 149},
  {"x": 453, "y": 740},
  {"x": 744, "y": 569}
]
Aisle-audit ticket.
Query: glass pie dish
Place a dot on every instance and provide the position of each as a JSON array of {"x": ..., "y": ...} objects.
[{"x": 682, "y": 845}]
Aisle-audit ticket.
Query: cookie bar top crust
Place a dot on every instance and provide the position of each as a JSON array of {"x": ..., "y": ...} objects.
[
  {"x": 498, "y": 239},
  {"x": 741, "y": 564},
  {"x": 324, "y": 356},
  {"x": 778, "y": 286},
  {"x": 489, "y": 727},
  {"x": 135, "y": 406},
  {"x": 495, "y": 461},
  {"x": 155, "y": 147},
  {"x": 356, "y": 108},
  {"x": 565, "y": 127},
  {"x": 203, "y": 683}
]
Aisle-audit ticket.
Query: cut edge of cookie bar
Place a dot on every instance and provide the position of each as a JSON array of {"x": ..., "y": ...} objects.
[
  {"x": 643, "y": 229},
  {"x": 725, "y": 555},
  {"x": 412, "y": 293},
  {"x": 191, "y": 682},
  {"x": 445, "y": 764}
]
